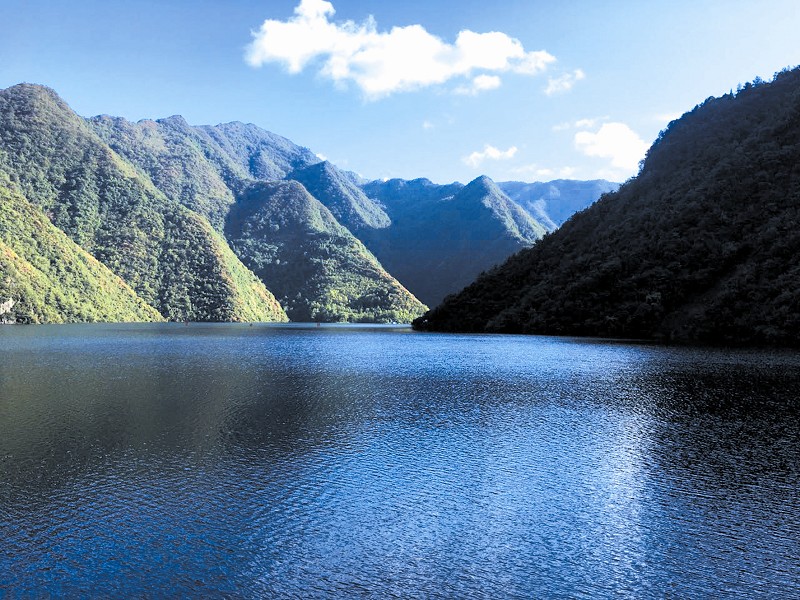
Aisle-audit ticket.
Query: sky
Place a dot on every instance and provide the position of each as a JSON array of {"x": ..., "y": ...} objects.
[{"x": 526, "y": 90}]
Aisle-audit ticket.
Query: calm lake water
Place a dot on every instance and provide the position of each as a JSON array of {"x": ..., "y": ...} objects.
[{"x": 272, "y": 461}]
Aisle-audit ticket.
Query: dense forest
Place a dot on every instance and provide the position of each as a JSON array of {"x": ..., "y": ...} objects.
[{"x": 700, "y": 247}]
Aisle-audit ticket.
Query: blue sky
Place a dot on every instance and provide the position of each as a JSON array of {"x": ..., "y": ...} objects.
[{"x": 524, "y": 90}]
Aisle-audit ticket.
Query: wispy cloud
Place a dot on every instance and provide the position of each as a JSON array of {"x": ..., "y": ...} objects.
[
  {"x": 614, "y": 141},
  {"x": 427, "y": 125},
  {"x": 475, "y": 159},
  {"x": 384, "y": 62},
  {"x": 559, "y": 85},
  {"x": 481, "y": 83}
]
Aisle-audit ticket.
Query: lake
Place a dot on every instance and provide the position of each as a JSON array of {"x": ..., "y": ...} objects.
[{"x": 340, "y": 461}]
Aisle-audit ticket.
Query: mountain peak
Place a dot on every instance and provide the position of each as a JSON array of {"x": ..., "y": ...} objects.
[{"x": 483, "y": 184}]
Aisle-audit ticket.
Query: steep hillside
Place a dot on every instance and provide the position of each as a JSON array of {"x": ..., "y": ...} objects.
[
  {"x": 702, "y": 246},
  {"x": 262, "y": 154},
  {"x": 182, "y": 161},
  {"x": 168, "y": 254},
  {"x": 442, "y": 237},
  {"x": 317, "y": 268},
  {"x": 49, "y": 278},
  {"x": 341, "y": 196},
  {"x": 553, "y": 202}
]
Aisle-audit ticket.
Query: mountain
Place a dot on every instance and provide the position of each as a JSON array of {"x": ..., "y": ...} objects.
[
  {"x": 342, "y": 196},
  {"x": 553, "y": 202},
  {"x": 46, "y": 277},
  {"x": 183, "y": 162},
  {"x": 212, "y": 170},
  {"x": 262, "y": 154},
  {"x": 442, "y": 237},
  {"x": 700, "y": 247},
  {"x": 168, "y": 254},
  {"x": 317, "y": 268}
]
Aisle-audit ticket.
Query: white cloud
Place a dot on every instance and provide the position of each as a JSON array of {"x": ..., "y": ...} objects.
[
  {"x": 321, "y": 156},
  {"x": 383, "y": 62},
  {"x": 558, "y": 85},
  {"x": 426, "y": 125},
  {"x": 475, "y": 159},
  {"x": 481, "y": 83},
  {"x": 585, "y": 123},
  {"x": 615, "y": 141}
]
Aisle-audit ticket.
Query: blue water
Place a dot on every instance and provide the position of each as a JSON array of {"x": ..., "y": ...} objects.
[{"x": 290, "y": 461}]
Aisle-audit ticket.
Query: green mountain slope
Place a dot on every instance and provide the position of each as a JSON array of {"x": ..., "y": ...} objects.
[
  {"x": 341, "y": 196},
  {"x": 182, "y": 161},
  {"x": 262, "y": 154},
  {"x": 317, "y": 268},
  {"x": 702, "y": 246},
  {"x": 442, "y": 237},
  {"x": 50, "y": 278},
  {"x": 168, "y": 254}
]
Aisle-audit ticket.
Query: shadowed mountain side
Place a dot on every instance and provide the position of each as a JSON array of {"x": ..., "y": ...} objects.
[
  {"x": 442, "y": 237},
  {"x": 168, "y": 254},
  {"x": 341, "y": 196},
  {"x": 553, "y": 202},
  {"x": 48, "y": 278},
  {"x": 702, "y": 246},
  {"x": 317, "y": 268}
]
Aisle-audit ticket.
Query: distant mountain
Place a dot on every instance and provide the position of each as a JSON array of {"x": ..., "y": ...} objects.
[
  {"x": 168, "y": 254},
  {"x": 553, "y": 202},
  {"x": 701, "y": 246},
  {"x": 442, "y": 237},
  {"x": 45, "y": 277},
  {"x": 342, "y": 196},
  {"x": 318, "y": 269}
]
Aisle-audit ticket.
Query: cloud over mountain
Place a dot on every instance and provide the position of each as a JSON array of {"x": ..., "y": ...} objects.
[{"x": 384, "y": 62}]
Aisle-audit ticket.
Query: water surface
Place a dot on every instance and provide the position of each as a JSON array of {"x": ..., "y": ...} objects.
[{"x": 214, "y": 460}]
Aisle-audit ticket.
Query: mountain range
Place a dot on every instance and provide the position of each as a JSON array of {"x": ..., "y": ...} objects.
[
  {"x": 700, "y": 247},
  {"x": 105, "y": 219}
]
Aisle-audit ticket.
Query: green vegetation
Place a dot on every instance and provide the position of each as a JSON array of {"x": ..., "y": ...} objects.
[
  {"x": 169, "y": 255},
  {"x": 183, "y": 162},
  {"x": 701, "y": 247},
  {"x": 342, "y": 197},
  {"x": 49, "y": 279},
  {"x": 442, "y": 237},
  {"x": 317, "y": 268},
  {"x": 261, "y": 154}
]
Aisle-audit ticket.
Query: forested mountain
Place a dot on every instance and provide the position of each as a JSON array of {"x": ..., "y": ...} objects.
[
  {"x": 153, "y": 202},
  {"x": 553, "y": 202},
  {"x": 701, "y": 246},
  {"x": 442, "y": 237},
  {"x": 169, "y": 255},
  {"x": 317, "y": 268},
  {"x": 262, "y": 154},
  {"x": 46, "y": 277},
  {"x": 341, "y": 196},
  {"x": 209, "y": 169}
]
